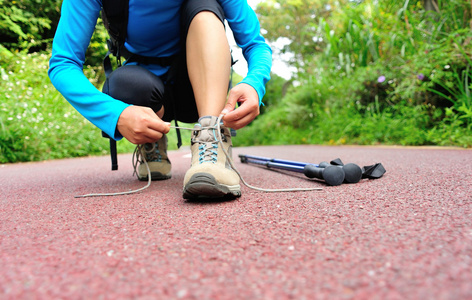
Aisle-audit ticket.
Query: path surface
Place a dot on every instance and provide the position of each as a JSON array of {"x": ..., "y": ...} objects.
[{"x": 407, "y": 235}]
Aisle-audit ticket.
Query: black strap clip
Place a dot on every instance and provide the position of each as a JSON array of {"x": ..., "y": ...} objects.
[{"x": 113, "y": 152}]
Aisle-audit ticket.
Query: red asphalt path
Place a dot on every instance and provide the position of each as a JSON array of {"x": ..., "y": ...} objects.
[{"x": 407, "y": 235}]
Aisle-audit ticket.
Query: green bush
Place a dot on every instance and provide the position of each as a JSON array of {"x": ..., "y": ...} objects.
[
  {"x": 28, "y": 24},
  {"x": 97, "y": 48},
  {"x": 37, "y": 123},
  {"x": 379, "y": 72},
  {"x": 323, "y": 112}
]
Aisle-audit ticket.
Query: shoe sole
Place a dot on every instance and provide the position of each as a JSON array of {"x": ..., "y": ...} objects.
[
  {"x": 156, "y": 176},
  {"x": 205, "y": 186}
]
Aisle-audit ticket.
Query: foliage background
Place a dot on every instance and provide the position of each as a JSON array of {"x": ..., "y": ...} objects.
[
  {"x": 367, "y": 72},
  {"x": 370, "y": 72}
]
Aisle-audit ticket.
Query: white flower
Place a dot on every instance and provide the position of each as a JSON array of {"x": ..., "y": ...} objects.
[{"x": 4, "y": 75}]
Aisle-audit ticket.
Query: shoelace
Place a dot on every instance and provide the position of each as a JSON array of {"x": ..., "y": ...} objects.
[
  {"x": 228, "y": 157},
  {"x": 207, "y": 152},
  {"x": 151, "y": 155},
  {"x": 127, "y": 192}
]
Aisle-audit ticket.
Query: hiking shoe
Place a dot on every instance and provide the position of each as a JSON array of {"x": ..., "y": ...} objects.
[
  {"x": 210, "y": 175},
  {"x": 156, "y": 158}
]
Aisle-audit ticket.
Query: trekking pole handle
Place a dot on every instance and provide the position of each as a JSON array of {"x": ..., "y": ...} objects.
[
  {"x": 331, "y": 175},
  {"x": 353, "y": 173}
]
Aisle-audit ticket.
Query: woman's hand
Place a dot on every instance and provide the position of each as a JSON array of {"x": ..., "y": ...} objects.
[
  {"x": 248, "y": 110},
  {"x": 140, "y": 125}
]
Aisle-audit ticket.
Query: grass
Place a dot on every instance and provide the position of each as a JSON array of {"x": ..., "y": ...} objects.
[{"x": 37, "y": 123}]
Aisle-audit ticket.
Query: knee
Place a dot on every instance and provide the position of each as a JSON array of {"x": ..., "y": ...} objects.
[{"x": 135, "y": 85}]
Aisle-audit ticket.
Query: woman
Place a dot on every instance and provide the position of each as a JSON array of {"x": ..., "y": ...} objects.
[{"x": 179, "y": 69}]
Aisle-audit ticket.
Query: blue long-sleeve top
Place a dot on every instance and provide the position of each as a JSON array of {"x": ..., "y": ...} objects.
[{"x": 153, "y": 30}]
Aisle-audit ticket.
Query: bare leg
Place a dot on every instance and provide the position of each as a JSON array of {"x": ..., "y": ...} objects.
[{"x": 208, "y": 62}]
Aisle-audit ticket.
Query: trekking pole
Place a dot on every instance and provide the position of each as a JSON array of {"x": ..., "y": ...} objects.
[
  {"x": 352, "y": 172},
  {"x": 332, "y": 175}
]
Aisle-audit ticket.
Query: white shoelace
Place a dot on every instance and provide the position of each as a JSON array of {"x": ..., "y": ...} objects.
[{"x": 228, "y": 157}]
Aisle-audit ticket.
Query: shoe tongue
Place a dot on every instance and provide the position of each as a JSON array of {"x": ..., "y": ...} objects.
[
  {"x": 207, "y": 135},
  {"x": 208, "y": 121}
]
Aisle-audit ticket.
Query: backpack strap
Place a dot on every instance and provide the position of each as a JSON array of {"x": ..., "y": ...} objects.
[
  {"x": 113, "y": 152},
  {"x": 115, "y": 19}
]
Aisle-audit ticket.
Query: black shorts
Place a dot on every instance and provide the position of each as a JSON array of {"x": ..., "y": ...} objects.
[{"x": 136, "y": 85}]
